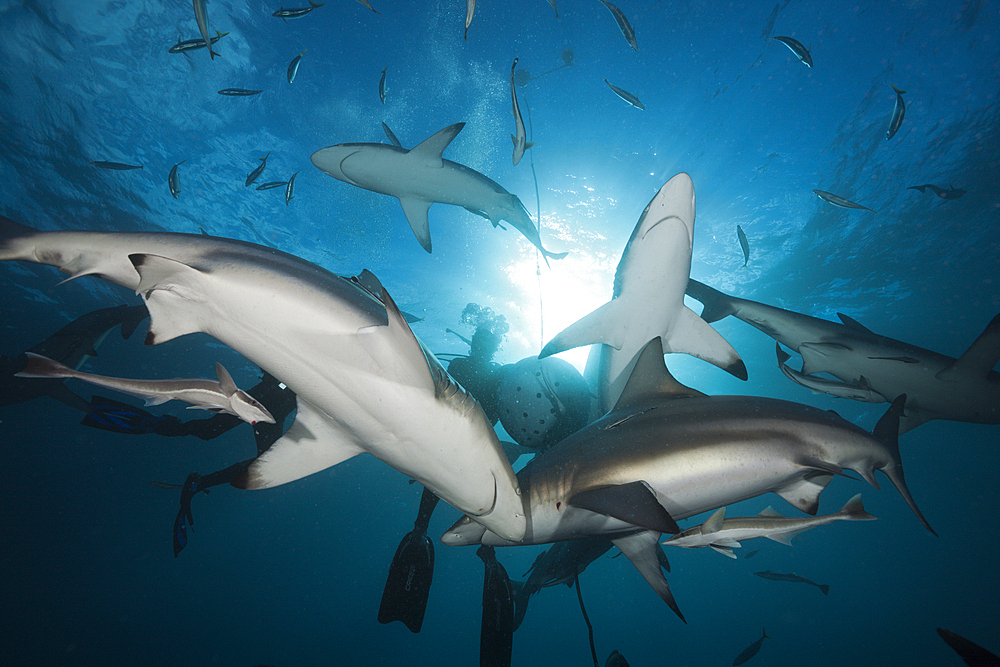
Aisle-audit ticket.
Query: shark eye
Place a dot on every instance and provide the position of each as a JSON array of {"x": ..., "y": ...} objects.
[{"x": 558, "y": 505}]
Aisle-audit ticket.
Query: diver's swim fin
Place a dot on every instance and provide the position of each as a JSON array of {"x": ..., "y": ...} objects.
[
  {"x": 496, "y": 639},
  {"x": 404, "y": 597},
  {"x": 110, "y": 415}
]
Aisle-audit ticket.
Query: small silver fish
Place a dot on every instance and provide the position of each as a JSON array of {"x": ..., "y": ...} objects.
[
  {"x": 296, "y": 13},
  {"x": 290, "y": 189},
  {"x": 625, "y": 95},
  {"x": 750, "y": 651},
  {"x": 381, "y": 86},
  {"x": 117, "y": 166},
  {"x": 520, "y": 137},
  {"x": 239, "y": 92},
  {"x": 837, "y": 200},
  {"x": 801, "y": 52},
  {"x": 293, "y": 67},
  {"x": 369, "y": 6},
  {"x": 272, "y": 184},
  {"x": 253, "y": 175},
  {"x": 627, "y": 32},
  {"x": 898, "y": 112},
  {"x": 470, "y": 10},
  {"x": 201, "y": 17},
  {"x": 743, "y": 244},
  {"x": 174, "y": 181},
  {"x": 192, "y": 44}
]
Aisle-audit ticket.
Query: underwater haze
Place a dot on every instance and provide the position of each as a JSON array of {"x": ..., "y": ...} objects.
[{"x": 293, "y": 575}]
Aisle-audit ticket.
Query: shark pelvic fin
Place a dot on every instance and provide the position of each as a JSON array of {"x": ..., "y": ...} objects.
[
  {"x": 415, "y": 211},
  {"x": 165, "y": 285},
  {"x": 640, "y": 548},
  {"x": 804, "y": 494},
  {"x": 428, "y": 152},
  {"x": 693, "y": 335},
  {"x": 313, "y": 443},
  {"x": 634, "y": 503}
]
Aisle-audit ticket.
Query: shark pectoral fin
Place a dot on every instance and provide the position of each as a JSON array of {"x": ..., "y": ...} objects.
[
  {"x": 804, "y": 494},
  {"x": 728, "y": 542},
  {"x": 693, "y": 335},
  {"x": 633, "y": 503},
  {"x": 604, "y": 325},
  {"x": 415, "y": 211},
  {"x": 314, "y": 442},
  {"x": 395, "y": 348},
  {"x": 714, "y": 523},
  {"x": 428, "y": 152},
  {"x": 226, "y": 382},
  {"x": 168, "y": 287},
  {"x": 640, "y": 548},
  {"x": 979, "y": 359},
  {"x": 724, "y": 550}
]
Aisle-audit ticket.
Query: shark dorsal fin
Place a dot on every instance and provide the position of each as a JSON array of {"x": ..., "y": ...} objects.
[
  {"x": 714, "y": 523},
  {"x": 980, "y": 358},
  {"x": 650, "y": 378},
  {"x": 852, "y": 323},
  {"x": 225, "y": 380},
  {"x": 430, "y": 149}
]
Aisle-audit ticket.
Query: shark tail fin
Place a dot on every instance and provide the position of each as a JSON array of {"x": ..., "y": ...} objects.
[
  {"x": 886, "y": 431},
  {"x": 825, "y": 588},
  {"x": 717, "y": 304}
]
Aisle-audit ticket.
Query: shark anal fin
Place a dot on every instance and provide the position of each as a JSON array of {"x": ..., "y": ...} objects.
[
  {"x": 640, "y": 548},
  {"x": 165, "y": 285},
  {"x": 633, "y": 503},
  {"x": 724, "y": 550},
  {"x": 693, "y": 335},
  {"x": 416, "y": 214},
  {"x": 314, "y": 442}
]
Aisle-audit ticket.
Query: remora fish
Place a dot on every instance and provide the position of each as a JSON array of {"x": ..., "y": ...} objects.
[
  {"x": 667, "y": 453},
  {"x": 971, "y": 653},
  {"x": 648, "y": 300},
  {"x": 296, "y": 13},
  {"x": 257, "y": 171},
  {"x": 116, "y": 166},
  {"x": 290, "y": 189},
  {"x": 71, "y": 345},
  {"x": 724, "y": 535},
  {"x": 627, "y": 32},
  {"x": 837, "y": 200},
  {"x": 420, "y": 177},
  {"x": 369, "y": 6},
  {"x": 625, "y": 95},
  {"x": 201, "y": 17},
  {"x": 391, "y": 136},
  {"x": 793, "y": 578},
  {"x": 192, "y": 44},
  {"x": 239, "y": 92},
  {"x": 750, "y": 651},
  {"x": 272, "y": 184},
  {"x": 381, "y": 85},
  {"x": 898, "y": 112},
  {"x": 363, "y": 382},
  {"x": 801, "y": 52},
  {"x": 221, "y": 396},
  {"x": 858, "y": 391},
  {"x": 951, "y": 193},
  {"x": 174, "y": 181},
  {"x": 293, "y": 67},
  {"x": 520, "y": 137},
  {"x": 470, "y": 11},
  {"x": 556, "y": 9},
  {"x": 744, "y": 244},
  {"x": 936, "y": 387}
]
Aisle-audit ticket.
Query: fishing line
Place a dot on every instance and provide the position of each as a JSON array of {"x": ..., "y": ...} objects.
[
  {"x": 538, "y": 216},
  {"x": 590, "y": 628}
]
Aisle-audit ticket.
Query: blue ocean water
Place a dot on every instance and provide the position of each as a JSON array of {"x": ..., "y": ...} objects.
[{"x": 294, "y": 575}]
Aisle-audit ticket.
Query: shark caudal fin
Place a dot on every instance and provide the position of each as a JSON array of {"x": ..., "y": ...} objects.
[
  {"x": 717, "y": 305},
  {"x": 886, "y": 431}
]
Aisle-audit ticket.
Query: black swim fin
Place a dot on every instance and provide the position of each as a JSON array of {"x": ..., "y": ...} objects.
[
  {"x": 496, "y": 639},
  {"x": 408, "y": 585},
  {"x": 111, "y": 415}
]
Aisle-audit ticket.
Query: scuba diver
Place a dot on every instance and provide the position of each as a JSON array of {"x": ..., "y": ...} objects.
[
  {"x": 477, "y": 372},
  {"x": 110, "y": 415}
]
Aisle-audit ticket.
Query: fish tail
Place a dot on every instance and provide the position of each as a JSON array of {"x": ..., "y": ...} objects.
[
  {"x": 212, "y": 53},
  {"x": 900, "y": 92},
  {"x": 43, "y": 367},
  {"x": 887, "y": 432},
  {"x": 717, "y": 305},
  {"x": 825, "y": 588}
]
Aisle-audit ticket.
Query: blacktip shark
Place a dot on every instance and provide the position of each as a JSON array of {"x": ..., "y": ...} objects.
[
  {"x": 363, "y": 382},
  {"x": 723, "y": 535},
  {"x": 869, "y": 365},
  {"x": 222, "y": 396},
  {"x": 72, "y": 345},
  {"x": 898, "y": 112},
  {"x": 420, "y": 177},
  {"x": 648, "y": 300},
  {"x": 520, "y": 137},
  {"x": 668, "y": 452}
]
